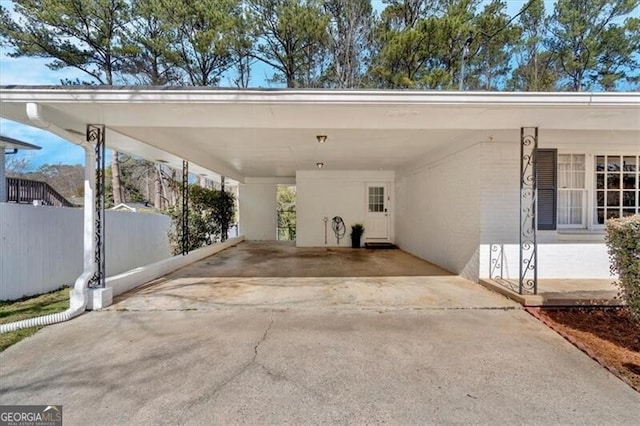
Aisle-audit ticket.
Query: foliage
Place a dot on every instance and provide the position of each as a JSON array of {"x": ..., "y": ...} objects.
[
  {"x": 593, "y": 50},
  {"x": 286, "y": 198},
  {"x": 536, "y": 67},
  {"x": 493, "y": 44},
  {"x": 349, "y": 36},
  {"x": 137, "y": 177},
  {"x": 357, "y": 231},
  {"x": 205, "y": 34},
  {"x": 421, "y": 44},
  {"x": 292, "y": 36},
  {"x": 17, "y": 165},
  {"x": 623, "y": 240},
  {"x": 210, "y": 210},
  {"x": 82, "y": 34},
  {"x": 146, "y": 45}
]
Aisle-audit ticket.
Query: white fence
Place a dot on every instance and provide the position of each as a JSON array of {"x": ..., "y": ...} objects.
[{"x": 41, "y": 247}]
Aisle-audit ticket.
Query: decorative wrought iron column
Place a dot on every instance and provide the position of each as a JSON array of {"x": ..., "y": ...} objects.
[
  {"x": 95, "y": 135},
  {"x": 496, "y": 260},
  {"x": 528, "y": 278},
  {"x": 185, "y": 207},
  {"x": 224, "y": 232}
]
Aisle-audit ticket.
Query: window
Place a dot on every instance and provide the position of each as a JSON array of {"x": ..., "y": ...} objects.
[
  {"x": 376, "y": 199},
  {"x": 617, "y": 186},
  {"x": 589, "y": 189},
  {"x": 571, "y": 190}
]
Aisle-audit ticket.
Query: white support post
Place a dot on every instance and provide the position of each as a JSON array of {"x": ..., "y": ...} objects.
[
  {"x": 98, "y": 297},
  {"x": 3, "y": 178},
  {"x": 89, "y": 205}
]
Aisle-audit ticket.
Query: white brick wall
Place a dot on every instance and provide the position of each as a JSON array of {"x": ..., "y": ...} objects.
[
  {"x": 560, "y": 260},
  {"x": 438, "y": 211},
  {"x": 452, "y": 209},
  {"x": 566, "y": 256}
]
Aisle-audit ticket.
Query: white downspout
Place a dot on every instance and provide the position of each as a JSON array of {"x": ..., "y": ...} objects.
[{"x": 79, "y": 294}]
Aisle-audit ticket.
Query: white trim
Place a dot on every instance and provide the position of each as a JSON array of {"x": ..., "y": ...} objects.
[
  {"x": 271, "y": 96},
  {"x": 585, "y": 192},
  {"x": 590, "y": 154},
  {"x": 386, "y": 206}
]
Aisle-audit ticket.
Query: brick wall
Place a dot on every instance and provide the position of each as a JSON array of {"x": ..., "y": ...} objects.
[{"x": 438, "y": 210}]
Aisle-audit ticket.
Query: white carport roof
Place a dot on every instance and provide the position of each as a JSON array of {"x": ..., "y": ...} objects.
[{"x": 272, "y": 133}]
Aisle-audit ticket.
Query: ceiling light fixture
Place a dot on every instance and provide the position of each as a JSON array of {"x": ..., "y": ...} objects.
[
  {"x": 320, "y": 165},
  {"x": 321, "y": 138}
]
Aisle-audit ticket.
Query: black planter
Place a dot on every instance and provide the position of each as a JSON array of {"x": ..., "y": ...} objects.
[{"x": 355, "y": 241}]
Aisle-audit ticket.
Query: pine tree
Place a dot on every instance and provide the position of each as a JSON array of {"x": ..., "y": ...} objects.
[
  {"x": 82, "y": 34},
  {"x": 350, "y": 31},
  {"x": 536, "y": 66},
  {"x": 595, "y": 50},
  {"x": 292, "y": 38}
]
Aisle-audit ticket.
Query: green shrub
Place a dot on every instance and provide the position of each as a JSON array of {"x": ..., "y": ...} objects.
[
  {"x": 623, "y": 241},
  {"x": 211, "y": 213},
  {"x": 357, "y": 230}
]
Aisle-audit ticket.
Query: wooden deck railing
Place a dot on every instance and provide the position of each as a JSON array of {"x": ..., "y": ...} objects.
[{"x": 25, "y": 191}]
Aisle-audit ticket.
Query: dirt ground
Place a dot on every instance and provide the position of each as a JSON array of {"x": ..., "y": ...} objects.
[{"x": 608, "y": 335}]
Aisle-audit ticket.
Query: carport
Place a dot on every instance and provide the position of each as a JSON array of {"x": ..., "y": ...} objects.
[{"x": 446, "y": 176}]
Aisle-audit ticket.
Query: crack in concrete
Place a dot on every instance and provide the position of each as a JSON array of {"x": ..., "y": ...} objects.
[
  {"x": 264, "y": 337},
  {"x": 221, "y": 386}
]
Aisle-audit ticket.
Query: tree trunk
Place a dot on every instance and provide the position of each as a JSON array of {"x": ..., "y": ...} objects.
[
  {"x": 115, "y": 179},
  {"x": 157, "y": 196}
]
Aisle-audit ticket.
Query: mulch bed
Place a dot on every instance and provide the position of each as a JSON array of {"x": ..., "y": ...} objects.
[{"x": 607, "y": 335}]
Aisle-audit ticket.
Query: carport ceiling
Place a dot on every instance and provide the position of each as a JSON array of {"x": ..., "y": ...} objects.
[{"x": 266, "y": 133}]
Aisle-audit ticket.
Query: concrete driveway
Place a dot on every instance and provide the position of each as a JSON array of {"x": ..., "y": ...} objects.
[
  {"x": 279, "y": 275},
  {"x": 274, "y": 363}
]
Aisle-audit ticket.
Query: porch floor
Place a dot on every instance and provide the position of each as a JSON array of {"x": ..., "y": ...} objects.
[
  {"x": 280, "y": 275},
  {"x": 560, "y": 292}
]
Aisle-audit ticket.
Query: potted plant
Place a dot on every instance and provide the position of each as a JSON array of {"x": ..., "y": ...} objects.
[{"x": 356, "y": 233}]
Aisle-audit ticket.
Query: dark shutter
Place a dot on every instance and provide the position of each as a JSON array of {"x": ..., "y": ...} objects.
[{"x": 547, "y": 188}]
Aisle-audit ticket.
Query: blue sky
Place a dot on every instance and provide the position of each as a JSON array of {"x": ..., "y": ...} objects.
[{"x": 33, "y": 71}]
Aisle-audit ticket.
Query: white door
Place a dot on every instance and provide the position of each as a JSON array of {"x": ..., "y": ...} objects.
[{"x": 377, "y": 223}]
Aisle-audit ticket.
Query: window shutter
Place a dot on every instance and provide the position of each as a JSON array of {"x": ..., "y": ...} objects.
[{"x": 547, "y": 171}]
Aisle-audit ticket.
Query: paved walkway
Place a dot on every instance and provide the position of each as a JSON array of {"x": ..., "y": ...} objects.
[
  {"x": 561, "y": 292},
  {"x": 453, "y": 361}
]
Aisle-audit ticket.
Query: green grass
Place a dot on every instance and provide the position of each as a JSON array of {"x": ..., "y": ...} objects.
[{"x": 30, "y": 307}]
